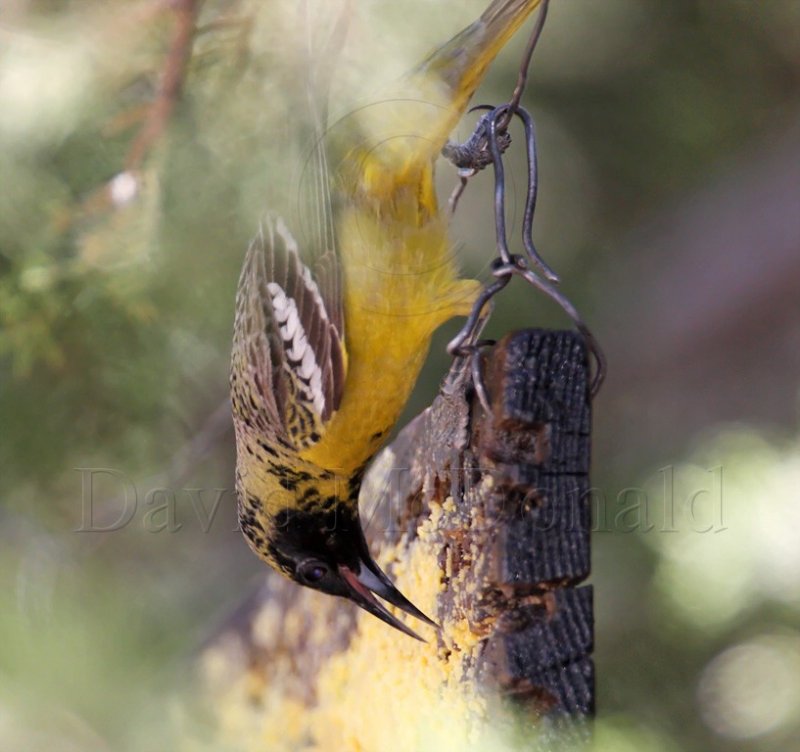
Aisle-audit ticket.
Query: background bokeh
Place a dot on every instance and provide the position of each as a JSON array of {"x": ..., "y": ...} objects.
[{"x": 669, "y": 136}]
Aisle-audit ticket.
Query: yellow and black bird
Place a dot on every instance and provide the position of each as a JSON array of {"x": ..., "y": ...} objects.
[{"x": 336, "y": 305}]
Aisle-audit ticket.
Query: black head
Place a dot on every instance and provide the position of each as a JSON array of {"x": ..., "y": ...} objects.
[{"x": 326, "y": 550}]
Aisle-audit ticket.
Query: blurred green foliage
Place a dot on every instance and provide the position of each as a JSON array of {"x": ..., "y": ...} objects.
[{"x": 116, "y": 316}]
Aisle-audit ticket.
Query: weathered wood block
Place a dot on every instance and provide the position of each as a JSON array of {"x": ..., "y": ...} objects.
[{"x": 535, "y": 448}]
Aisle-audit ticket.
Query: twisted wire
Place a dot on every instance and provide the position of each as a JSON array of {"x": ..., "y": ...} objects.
[{"x": 486, "y": 146}]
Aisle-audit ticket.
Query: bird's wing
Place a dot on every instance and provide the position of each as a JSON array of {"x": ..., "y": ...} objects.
[
  {"x": 289, "y": 332},
  {"x": 289, "y": 357}
]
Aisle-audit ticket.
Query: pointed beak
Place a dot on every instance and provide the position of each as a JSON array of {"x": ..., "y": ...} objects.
[{"x": 371, "y": 580}]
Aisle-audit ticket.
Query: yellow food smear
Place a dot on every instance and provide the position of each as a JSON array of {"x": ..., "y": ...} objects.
[{"x": 384, "y": 693}]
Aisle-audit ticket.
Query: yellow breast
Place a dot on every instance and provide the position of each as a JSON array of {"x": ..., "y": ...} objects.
[{"x": 401, "y": 283}]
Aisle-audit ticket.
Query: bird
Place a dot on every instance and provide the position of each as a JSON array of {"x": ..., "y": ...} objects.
[{"x": 335, "y": 309}]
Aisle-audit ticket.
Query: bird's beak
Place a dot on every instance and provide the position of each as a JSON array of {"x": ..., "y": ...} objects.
[{"x": 370, "y": 579}]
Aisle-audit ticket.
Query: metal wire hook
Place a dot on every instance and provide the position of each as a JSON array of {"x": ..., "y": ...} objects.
[
  {"x": 533, "y": 190},
  {"x": 508, "y": 264},
  {"x": 485, "y": 146}
]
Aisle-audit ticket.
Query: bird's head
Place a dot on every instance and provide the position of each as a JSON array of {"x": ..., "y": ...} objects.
[{"x": 326, "y": 550}]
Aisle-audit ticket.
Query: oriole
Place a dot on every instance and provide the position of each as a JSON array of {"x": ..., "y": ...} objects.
[{"x": 332, "y": 325}]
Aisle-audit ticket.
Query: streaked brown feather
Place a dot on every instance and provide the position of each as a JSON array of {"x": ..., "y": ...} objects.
[{"x": 271, "y": 391}]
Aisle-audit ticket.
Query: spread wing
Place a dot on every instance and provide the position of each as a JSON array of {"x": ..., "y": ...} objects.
[{"x": 289, "y": 359}]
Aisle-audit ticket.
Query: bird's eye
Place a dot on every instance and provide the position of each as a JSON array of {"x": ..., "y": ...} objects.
[{"x": 312, "y": 572}]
